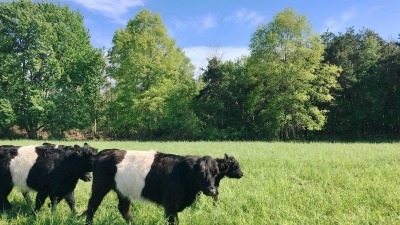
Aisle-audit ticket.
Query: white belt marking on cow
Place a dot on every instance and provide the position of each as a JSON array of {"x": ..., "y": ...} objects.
[
  {"x": 132, "y": 171},
  {"x": 21, "y": 165}
]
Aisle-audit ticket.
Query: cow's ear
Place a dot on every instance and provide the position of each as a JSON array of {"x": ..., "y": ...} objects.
[
  {"x": 226, "y": 157},
  {"x": 40, "y": 151},
  {"x": 223, "y": 167},
  {"x": 201, "y": 163}
]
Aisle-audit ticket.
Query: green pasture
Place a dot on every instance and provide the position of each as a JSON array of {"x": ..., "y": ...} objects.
[{"x": 283, "y": 183}]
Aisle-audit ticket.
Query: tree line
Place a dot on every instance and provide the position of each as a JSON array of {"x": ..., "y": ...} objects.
[{"x": 294, "y": 85}]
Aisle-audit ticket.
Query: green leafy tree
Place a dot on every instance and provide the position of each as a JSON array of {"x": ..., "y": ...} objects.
[
  {"x": 390, "y": 68},
  {"x": 7, "y": 116},
  {"x": 369, "y": 85},
  {"x": 292, "y": 82},
  {"x": 342, "y": 50},
  {"x": 50, "y": 74},
  {"x": 358, "y": 109},
  {"x": 222, "y": 101},
  {"x": 153, "y": 82}
]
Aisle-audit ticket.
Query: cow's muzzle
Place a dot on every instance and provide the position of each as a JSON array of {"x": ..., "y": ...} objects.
[
  {"x": 239, "y": 175},
  {"x": 211, "y": 191}
]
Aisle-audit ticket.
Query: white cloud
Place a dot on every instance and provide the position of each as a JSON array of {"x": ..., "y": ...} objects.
[
  {"x": 198, "y": 24},
  {"x": 244, "y": 16},
  {"x": 376, "y": 9},
  {"x": 113, "y": 9},
  {"x": 347, "y": 16},
  {"x": 339, "y": 24},
  {"x": 199, "y": 55},
  {"x": 208, "y": 22}
]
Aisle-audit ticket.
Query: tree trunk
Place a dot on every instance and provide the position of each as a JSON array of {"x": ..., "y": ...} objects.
[{"x": 32, "y": 133}]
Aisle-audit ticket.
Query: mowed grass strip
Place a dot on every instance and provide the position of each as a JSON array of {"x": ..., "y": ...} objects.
[{"x": 283, "y": 183}]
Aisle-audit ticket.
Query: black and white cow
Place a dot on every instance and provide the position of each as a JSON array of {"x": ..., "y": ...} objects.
[
  {"x": 231, "y": 170},
  {"x": 86, "y": 177},
  {"x": 172, "y": 181},
  {"x": 52, "y": 171}
]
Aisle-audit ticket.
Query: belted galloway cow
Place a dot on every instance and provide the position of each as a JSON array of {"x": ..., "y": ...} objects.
[
  {"x": 50, "y": 170},
  {"x": 172, "y": 181}
]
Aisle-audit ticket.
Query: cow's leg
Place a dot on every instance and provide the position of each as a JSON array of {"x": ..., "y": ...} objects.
[
  {"x": 171, "y": 214},
  {"x": 40, "y": 199},
  {"x": 124, "y": 207},
  {"x": 5, "y": 190},
  {"x": 53, "y": 202},
  {"x": 56, "y": 201},
  {"x": 215, "y": 198},
  {"x": 98, "y": 192},
  {"x": 70, "y": 199},
  {"x": 27, "y": 198}
]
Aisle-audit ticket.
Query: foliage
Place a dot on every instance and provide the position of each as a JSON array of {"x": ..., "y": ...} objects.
[
  {"x": 294, "y": 84},
  {"x": 49, "y": 71},
  {"x": 285, "y": 62},
  {"x": 154, "y": 85},
  {"x": 389, "y": 66},
  {"x": 365, "y": 102},
  {"x": 7, "y": 116},
  {"x": 222, "y": 102}
]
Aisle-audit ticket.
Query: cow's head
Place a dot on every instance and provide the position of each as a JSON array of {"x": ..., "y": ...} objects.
[
  {"x": 230, "y": 167},
  {"x": 90, "y": 153},
  {"x": 86, "y": 155},
  {"x": 207, "y": 170}
]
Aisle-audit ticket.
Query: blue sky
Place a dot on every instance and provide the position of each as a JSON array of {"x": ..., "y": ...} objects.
[{"x": 200, "y": 27}]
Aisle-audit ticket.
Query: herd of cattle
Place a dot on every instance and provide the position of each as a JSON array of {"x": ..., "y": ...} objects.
[{"x": 53, "y": 171}]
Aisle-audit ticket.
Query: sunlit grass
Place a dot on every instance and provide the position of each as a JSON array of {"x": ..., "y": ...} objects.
[{"x": 283, "y": 183}]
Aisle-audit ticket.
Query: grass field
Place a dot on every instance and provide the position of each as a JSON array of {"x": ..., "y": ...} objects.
[{"x": 283, "y": 183}]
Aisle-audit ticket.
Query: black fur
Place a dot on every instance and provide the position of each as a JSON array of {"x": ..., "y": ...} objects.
[
  {"x": 173, "y": 182},
  {"x": 7, "y": 152},
  {"x": 54, "y": 174},
  {"x": 229, "y": 167}
]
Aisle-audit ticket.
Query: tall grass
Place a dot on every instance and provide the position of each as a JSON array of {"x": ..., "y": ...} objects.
[{"x": 283, "y": 183}]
